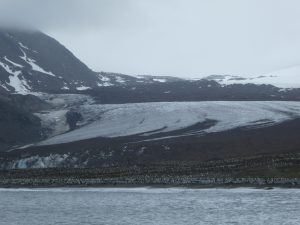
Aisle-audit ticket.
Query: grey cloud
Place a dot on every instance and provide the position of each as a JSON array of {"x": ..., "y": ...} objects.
[
  {"x": 169, "y": 37},
  {"x": 62, "y": 14}
]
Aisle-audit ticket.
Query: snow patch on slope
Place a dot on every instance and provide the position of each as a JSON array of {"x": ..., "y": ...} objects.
[
  {"x": 82, "y": 88},
  {"x": 13, "y": 63},
  {"x": 65, "y": 87},
  {"x": 104, "y": 81},
  {"x": 120, "y": 79},
  {"x": 23, "y": 46},
  {"x": 37, "y": 68},
  {"x": 33, "y": 64},
  {"x": 20, "y": 85},
  {"x": 160, "y": 80},
  {"x": 4, "y": 86}
]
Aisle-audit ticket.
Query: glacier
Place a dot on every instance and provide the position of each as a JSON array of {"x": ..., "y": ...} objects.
[{"x": 146, "y": 119}]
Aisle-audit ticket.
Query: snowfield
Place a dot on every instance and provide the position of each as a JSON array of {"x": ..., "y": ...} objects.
[
  {"x": 16, "y": 80},
  {"x": 145, "y": 119},
  {"x": 287, "y": 78}
]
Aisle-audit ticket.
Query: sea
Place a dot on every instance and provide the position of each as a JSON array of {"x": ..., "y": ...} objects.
[{"x": 146, "y": 205}]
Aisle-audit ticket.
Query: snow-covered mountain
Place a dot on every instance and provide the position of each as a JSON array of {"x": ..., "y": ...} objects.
[
  {"x": 55, "y": 111},
  {"x": 287, "y": 78},
  {"x": 31, "y": 61}
]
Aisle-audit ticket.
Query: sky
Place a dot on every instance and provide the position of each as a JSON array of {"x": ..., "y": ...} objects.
[{"x": 185, "y": 38}]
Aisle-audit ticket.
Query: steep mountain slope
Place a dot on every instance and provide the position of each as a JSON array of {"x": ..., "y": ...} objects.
[
  {"x": 18, "y": 126},
  {"x": 31, "y": 61}
]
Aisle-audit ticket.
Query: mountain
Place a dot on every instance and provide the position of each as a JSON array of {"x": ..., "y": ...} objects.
[
  {"x": 286, "y": 78},
  {"x": 56, "y": 112},
  {"x": 31, "y": 61}
]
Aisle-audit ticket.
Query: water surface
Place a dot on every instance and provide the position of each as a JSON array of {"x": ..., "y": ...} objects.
[{"x": 138, "y": 206}]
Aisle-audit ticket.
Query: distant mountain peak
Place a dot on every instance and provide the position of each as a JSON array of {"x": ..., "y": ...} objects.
[{"x": 285, "y": 78}]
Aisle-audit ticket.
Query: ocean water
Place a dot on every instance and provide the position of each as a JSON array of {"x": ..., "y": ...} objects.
[{"x": 96, "y": 206}]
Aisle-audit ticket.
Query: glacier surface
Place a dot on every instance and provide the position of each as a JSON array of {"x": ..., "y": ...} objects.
[{"x": 145, "y": 119}]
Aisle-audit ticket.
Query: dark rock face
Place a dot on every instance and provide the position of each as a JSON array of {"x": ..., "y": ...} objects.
[
  {"x": 73, "y": 118},
  {"x": 18, "y": 125}
]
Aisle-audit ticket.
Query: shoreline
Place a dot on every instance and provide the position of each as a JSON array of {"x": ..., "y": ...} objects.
[
  {"x": 270, "y": 187},
  {"x": 259, "y": 183},
  {"x": 264, "y": 172}
]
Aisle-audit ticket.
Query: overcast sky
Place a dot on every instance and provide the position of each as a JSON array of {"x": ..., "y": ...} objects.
[{"x": 188, "y": 38}]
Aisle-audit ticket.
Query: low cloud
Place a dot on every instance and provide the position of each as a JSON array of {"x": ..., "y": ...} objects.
[
  {"x": 168, "y": 37},
  {"x": 61, "y": 14}
]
